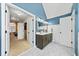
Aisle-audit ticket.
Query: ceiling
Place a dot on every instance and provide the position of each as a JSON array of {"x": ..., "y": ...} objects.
[
  {"x": 51, "y": 9},
  {"x": 56, "y": 9},
  {"x": 17, "y": 15}
]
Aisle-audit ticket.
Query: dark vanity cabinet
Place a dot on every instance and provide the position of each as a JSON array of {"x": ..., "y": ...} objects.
[{"x": 43, "y": 40}]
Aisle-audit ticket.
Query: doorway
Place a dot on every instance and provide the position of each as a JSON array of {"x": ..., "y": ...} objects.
[
  {"x": 18, "y": 44},
  {"x": 19, "y": 26},
  {"x": 25, "y": 31}
]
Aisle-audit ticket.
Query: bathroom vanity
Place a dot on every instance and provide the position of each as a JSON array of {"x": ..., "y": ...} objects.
[{"x": 43, "y": 39}]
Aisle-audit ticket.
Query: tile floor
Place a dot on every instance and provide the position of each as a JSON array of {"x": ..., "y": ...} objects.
[{"x": 52, "y": 49}]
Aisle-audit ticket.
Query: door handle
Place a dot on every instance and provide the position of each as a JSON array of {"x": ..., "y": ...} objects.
[
  {"x": 60, "y": 32},
  {"x": 71, "y": 30},
  {"x": 71, "y": 42}
]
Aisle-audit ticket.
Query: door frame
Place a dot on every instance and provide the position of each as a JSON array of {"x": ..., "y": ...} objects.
[
  {"x": 73, "y": 34},
  {"x": 3, "y": 5}
]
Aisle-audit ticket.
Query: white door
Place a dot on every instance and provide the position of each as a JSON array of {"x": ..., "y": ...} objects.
[
  {"x": 7, "y": 31},
  {"x": 66, "y": 31},
  {"x": 30, "y": 30},
  {"x": 20, "y": 31},
  {"x": 56, "y": 34}
]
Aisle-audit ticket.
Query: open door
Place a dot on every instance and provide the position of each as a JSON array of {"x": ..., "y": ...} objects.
[
  {"x": 30, "y": 30},
  {"x": 25, "y": 31},
  {"x": 66, "y": 31}
]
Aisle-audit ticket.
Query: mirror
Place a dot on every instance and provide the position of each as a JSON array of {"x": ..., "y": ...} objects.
[{"x": 40, "y": 24}]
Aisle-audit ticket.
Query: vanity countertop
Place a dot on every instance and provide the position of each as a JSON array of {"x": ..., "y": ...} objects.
[{"x": 42, "y": 33}]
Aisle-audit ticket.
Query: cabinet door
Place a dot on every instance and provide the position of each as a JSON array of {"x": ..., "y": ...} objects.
[
  {"x": 45, "y": 40},
  {"x": 50, "y": 37},
  {"x": 40, "y": 40}
]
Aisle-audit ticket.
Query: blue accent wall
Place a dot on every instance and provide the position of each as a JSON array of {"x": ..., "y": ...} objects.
[
  {"x": 78, "y": 17},
  {"x": 35, "y": 8},
  {"x": 56, "y": 20},
  {"x": 75, "y": 7},
  {"x": 76, "y": 28},
  {"x": 0, "y": 29},
  {"x": 53, "y": 21}
]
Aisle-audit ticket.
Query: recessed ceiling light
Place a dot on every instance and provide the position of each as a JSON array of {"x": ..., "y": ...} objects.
[{"x": 18, "y": 12}]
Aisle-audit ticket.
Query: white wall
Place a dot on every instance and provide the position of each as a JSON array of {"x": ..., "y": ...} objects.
[{"x": 20, "y": 30}]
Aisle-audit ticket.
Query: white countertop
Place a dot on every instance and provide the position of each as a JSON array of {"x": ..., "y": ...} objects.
[{"x": 42, "y": 33}]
